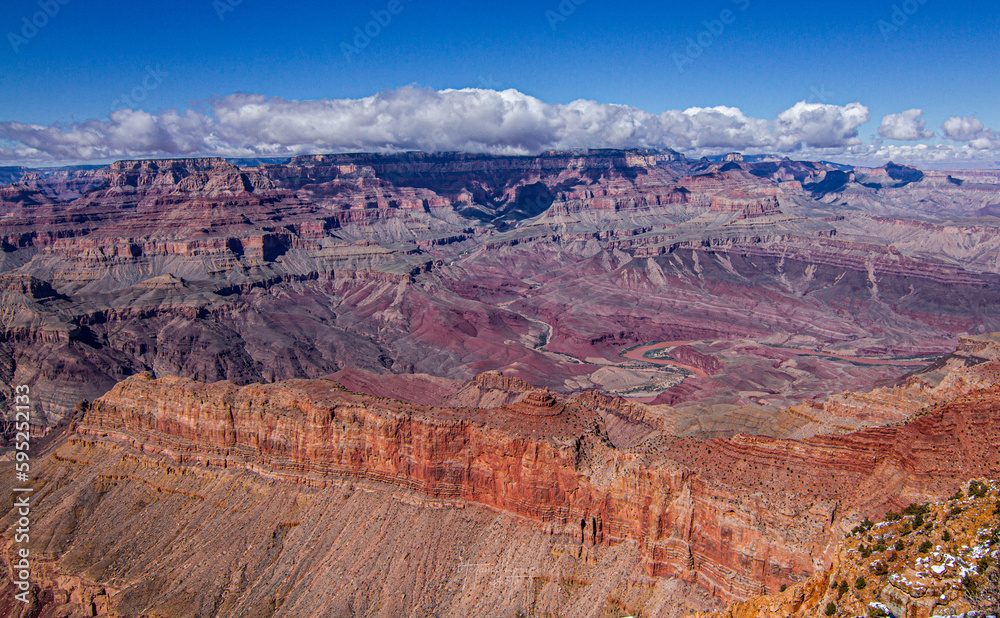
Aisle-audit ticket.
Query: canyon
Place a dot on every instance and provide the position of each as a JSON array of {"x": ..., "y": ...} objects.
[
  {"x": 587, "y": 383},
  {"x": 546, "y": 267}
]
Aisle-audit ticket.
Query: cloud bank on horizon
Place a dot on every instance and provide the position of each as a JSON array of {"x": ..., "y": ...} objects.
[{"x": 487, "y": 121}]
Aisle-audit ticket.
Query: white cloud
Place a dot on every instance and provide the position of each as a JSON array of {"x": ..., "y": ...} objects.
[
  {"x": 971, "y": 130},
  {"x": 962, "y": 128},
  {"x": 907, "y": 125},
  {"x": 475, "y": 120},
  {"x": 472, "y": 120},
  {"x": 819, "y": 125}
]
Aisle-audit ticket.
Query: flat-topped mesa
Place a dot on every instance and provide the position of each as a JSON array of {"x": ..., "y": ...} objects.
[
  {"x": 736, "y": 516},
  {"x": 498, "y": 381},
  {"x": 747, "y": 206}
]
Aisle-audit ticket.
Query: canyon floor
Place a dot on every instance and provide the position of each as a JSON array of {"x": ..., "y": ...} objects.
[{"x": 597, "y": 383}]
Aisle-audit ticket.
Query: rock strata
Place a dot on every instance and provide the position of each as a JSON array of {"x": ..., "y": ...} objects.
[{"x": 736, "y": 517}]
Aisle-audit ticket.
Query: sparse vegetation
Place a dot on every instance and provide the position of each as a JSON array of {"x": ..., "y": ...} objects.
[
  {"x": 978, "y": 489},
  {"x": 881, "y": 550},
  {"x": 984, "y": 593},
  {"x": 917, "y": 509},
  {"x": 863, "y": 527}
]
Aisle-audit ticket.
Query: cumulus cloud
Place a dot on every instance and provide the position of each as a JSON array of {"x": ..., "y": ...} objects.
[
  {"x": 971, "y": 130},
  {"x": 962, "y": 128},
  {"x": 819, "y": 125},
  {"x": 907, "y": 126},
  {"x": 471, "y": 120}
]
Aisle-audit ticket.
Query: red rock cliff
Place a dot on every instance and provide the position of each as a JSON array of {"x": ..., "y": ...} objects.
[{"x": 737, "y": 516}]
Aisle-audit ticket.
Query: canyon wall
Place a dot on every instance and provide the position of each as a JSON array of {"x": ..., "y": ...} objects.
[{"x": 737, "y": 517}]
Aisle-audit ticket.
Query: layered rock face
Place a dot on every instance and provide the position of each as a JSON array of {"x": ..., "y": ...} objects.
[
  {"x": 547, "y": 268},
  {"x": 735, "y": 516}
]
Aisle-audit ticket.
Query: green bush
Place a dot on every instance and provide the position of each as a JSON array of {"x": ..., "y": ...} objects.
[
  {"x": 925, "y": 547},
  {"x": 860, "y": 583},
  {"x": 958, "y": 495},
  {"x": 783, "y": 588},
  {"x": 831, "y": 608},
  {"x": 918, "y": 521},
  {"x": 917, "y": 509},
  {"x": 945, "y": 536},
  {"x": 899, "y": 546},
  {"x": 892, "y": 516},
  {"x": 978, "y": 490},
  {"x": 864, "y": 526},
  {"x": 970, "y": 584},
  {"x": 842, "y": 588}
]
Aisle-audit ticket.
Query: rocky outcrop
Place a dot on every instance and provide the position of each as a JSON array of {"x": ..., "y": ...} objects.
[
  {"x": 690, "y": 356},
  {"x": 917, "y": 564}
]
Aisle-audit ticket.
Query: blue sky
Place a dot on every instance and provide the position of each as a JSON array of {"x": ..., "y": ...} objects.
[{"x": 89, "y": 58}]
